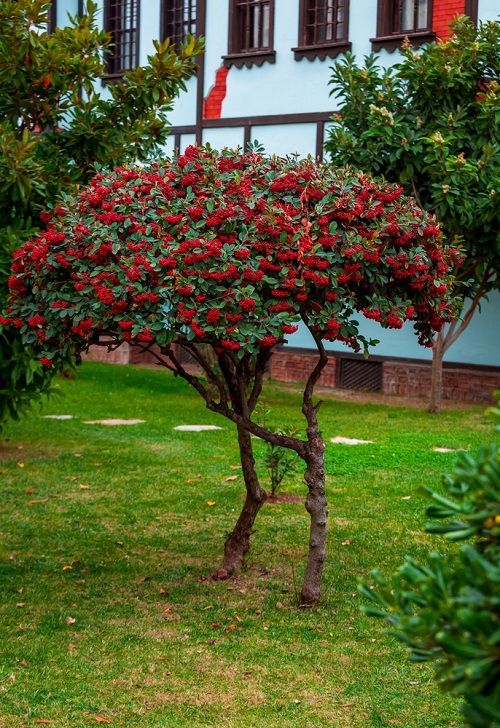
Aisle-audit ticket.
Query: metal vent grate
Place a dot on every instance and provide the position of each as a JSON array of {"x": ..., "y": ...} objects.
[{"x": 359, "y": 374}]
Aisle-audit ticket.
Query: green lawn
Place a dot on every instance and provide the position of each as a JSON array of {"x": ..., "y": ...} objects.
[{"x": 108, "y": 613}]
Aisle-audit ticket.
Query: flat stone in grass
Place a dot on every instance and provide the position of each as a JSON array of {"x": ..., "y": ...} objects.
[
  {"x": 113, "y": 422},
  {"x": 448, "y": 449},
  {"x": 196, "y": 428},
  {"x": 349, "y": 441}
]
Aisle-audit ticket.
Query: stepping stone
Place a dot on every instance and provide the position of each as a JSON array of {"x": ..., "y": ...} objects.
[
  {"x": 350, "y": 441},
  {"x": 196, "y": 428},
  {"x": 57, "y": 417},
  {"x": 113, "y": 422}
]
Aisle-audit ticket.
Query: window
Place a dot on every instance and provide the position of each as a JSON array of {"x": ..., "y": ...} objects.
[
  {"x": 250, "y": 33},
  {"x": 121, "y": 19},
  {"x": 178, "y": 19},
  {"x": 323, "y": 29},
  {"x": 399, "y": 18}
]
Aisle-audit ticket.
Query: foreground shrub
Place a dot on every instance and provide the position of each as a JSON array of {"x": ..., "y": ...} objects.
[{"x": 448, "y": 610}]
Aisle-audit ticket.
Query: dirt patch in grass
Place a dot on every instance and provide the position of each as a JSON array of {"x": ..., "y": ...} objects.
[{"x": 284, "y": 498}]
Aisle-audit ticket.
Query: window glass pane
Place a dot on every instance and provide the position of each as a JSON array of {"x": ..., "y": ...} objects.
[
  {"x": 422, "y": 14},
  {"x": 265, "y": 26},
  {"x": 407, "y": 15}
]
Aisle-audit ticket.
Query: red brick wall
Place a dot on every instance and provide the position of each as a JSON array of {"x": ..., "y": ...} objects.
[
  {"x": 463, "y": 385},
  {"x": 100, "y": 353},
  {"x": 400, "y": 378},
  {"x": 443, "y": 12},
  {"x": 287, "y": 367},
  {"x": 212, "y": 106}
]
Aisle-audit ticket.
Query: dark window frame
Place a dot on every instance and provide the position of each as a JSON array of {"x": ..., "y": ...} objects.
[
  {"x": 115, "y": 68},
  {"x": 389, "y": 34},
  {"x": 320, "y": 49},
  {"x": 237, "y": 54},
  {"x": 471, "y": 9},
  {"x": 52, "y": 17},
  {"x": 169, "y": 24}
]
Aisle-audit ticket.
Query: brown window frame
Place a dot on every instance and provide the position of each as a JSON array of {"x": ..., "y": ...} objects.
[
  {"x": 471, "y": 9},
  {"x": 320, "y": 49},
  {"x": 239, "y": 30},
  {"x": 52, "y": 17},
  {"x": 172, "y": 20},
  {"x": 389, "y": 34},
  {"x": 117, "y": 65}
]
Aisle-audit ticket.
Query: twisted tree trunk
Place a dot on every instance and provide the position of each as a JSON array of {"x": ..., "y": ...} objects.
[
  {"x": 316, "y": 506},
  {"x": 238, "y": 543}
]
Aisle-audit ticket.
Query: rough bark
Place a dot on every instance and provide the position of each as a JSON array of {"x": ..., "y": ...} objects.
[
  {"x": 238, "y": 543},
  {"x": 437, "y": 375},
  {"x": 316, "y": 506}
]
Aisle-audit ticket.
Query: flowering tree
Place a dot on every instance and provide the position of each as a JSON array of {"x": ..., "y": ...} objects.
[{"x": 224, "y": 254}]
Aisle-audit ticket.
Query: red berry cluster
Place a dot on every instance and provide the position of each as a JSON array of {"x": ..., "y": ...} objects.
[{"x": 233, "y": 250}]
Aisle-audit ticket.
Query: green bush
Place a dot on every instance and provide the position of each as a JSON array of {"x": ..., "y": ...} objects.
[{"x": 448, "y": 610}]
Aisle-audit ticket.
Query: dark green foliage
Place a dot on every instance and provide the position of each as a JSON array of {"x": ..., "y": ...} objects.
[
  {"x": 55, "y": 125},
  {"x": 432, "y": 123},
  {"x": 448, "y": 611}
]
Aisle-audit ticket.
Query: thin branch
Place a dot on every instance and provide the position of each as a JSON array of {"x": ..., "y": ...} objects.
[
  {"x": 260, "y": 369},
  {"x": 450, "y": 339},
  {"x": 316, "y": 372}
]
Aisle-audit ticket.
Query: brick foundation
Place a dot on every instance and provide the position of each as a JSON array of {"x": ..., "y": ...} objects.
[
  {"x": 403, "y": 378},
  {"x": 293, "y": 367},
  {"x": 459, "y": 384}
]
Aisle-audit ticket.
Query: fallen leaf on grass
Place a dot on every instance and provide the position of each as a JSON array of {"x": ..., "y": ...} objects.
[
  {"x": 20, "y": 591},
  {"x": 20, "y": 465},
  {"x": 43, "y": 722},
  {"x": 406, "y": 497},
  {"x": 346, "y": 705},
  {"x": 24, "y": 663},
  {"x": 37, "y": 500},
  {"x": 100, "y": 719},
  {"x": 210, "y": 503},
  {"x": 72, "y": 645},
  {"x": 70, "y": 620},
  {"x": 235, "y": 467},
  {"x": 30, "y": 490},
  {"x": 210, "y": 606},
  {"x": 279, "y": 605},
  {"x": 77, "y": 455},
  {"x": 231, "y": 477},
  {"x": 346, "y": 543},
  {"x": 67, "y": 567},
  {"x": 20, "y": 604},
  {"x": 215, "y": 624},
  {"x": 84, "y": 487}
]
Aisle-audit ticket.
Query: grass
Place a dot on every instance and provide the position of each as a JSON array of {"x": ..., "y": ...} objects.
[{"x": 108, "y": 614}]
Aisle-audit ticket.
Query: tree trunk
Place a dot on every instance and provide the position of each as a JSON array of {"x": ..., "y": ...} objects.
[
  {"x": 316, "y": 506},
  {"x": 238, "y": 543},
  {"x": 437, "y": 374}
]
